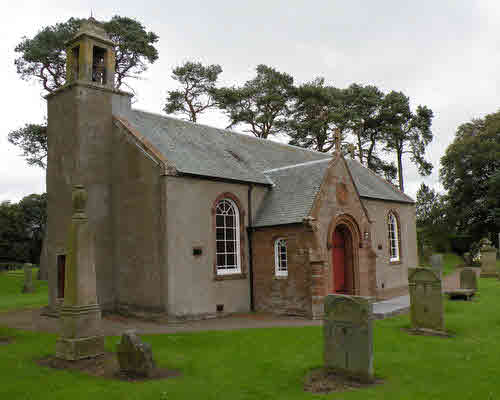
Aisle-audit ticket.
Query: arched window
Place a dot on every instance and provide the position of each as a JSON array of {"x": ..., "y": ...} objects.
[
  {"x": 227, "y": 235},
  {"x": 280, "y": 257},
  {"x": 393, "y": 230}
]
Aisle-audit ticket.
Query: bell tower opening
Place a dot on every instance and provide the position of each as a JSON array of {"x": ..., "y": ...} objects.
[{"x": 99, "y": 65}]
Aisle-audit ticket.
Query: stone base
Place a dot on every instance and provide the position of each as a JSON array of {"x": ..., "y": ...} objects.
[
  {"x": 77, "y": 349},
  {"x": 460, "y": 293}
]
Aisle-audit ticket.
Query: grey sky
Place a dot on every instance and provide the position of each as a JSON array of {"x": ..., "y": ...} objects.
[{"x": 443, "y": 54}]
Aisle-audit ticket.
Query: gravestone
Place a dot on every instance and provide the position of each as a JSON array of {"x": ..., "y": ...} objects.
[
  {"x": 80, "y": 314},
  {"x": 134, "y": 356},
  {"x": 488, "y": 259},
  {"x": 426, "y": 299},
  {"x": 437, "y": 264},
  {"x": 468, "y": 279},
  {"x": 348, "y": 335},
  {"x": 28, "y": 278}
]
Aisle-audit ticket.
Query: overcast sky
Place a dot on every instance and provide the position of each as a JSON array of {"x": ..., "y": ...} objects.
[{"x": 442, "y": 54}]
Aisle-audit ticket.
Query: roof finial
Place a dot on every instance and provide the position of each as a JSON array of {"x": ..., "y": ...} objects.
[{"x": 337, "y": 140}]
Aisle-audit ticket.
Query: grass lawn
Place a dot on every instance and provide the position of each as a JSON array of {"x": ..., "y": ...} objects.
[
  {"x": 11, "y": 298},
  {"x": 271, "y": 363}
]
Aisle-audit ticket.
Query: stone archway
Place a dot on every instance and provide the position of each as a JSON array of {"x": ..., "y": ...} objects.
[{"x": 344, "y": 241}]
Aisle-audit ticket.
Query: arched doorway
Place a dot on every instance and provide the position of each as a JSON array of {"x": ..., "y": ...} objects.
[{"x": 343, "y": 279}]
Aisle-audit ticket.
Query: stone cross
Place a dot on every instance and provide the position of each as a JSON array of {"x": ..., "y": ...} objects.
[
  {"x": 348, "y": 335},
  {"x": 80, "y": 314},
  {"x": 426, "y": 299},
  {"x": 468, "y": 278},
  {"x": 28, "y": 278}
]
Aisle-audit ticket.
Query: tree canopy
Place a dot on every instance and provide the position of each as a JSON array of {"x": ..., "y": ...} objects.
[
  {"x": 470, "y": 174},
  {"x": 261, "y": 105},
  {"x": 197, "y": 89},
  {"x": 406, "y": 132},
  {"x": 22, "y": 226}
]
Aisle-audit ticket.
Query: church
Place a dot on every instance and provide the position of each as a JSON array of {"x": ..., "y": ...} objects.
[{"x": 190, "y": 221}]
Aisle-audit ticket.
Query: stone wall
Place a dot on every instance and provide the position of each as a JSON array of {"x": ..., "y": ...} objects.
[
  {"x": 392, "y": 277},
  {"x": 194, "y": 289},
  {"x": 138, "y": 226},
  {"x": 289, "y": 295}
]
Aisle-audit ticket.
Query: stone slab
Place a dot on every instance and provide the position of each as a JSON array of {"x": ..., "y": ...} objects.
[
  {"x": 348, "y": 336},
  {"x": 78, "y": 349}
]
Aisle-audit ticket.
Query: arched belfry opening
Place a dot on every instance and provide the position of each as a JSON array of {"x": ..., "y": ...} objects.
[{"x": 344, "y": 266}]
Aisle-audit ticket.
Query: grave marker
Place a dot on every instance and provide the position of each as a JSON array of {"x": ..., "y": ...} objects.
[
  {"x": 426, "y": 299},
  {"x": 348, "y": 335},
  {"x": 28, "y": 278},
  {"x": 468, "y": 279},
  {"x": 488, "y": 259}
]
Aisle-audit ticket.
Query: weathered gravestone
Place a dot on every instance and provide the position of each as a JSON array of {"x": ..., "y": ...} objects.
[
  {"x": 437, "y": 264},
  {"x": 28, "y": 278},
  {"x": 426, "y": 299},
  {"x": 134, "y": 356},
  {"x": 80, "y": 314},
  {"x": 488, "y": 259},
  {"x": 468, "y": 279},
  {"x": 348, "y": 335}
]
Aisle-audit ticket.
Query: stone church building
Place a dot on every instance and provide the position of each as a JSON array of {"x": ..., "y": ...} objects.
[{"x": 191, "y": 221}]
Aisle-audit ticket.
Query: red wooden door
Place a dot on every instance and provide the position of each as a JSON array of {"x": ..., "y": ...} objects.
[
  {"x": 338, "y": 262},
  {"x": 61, "y": 275}
]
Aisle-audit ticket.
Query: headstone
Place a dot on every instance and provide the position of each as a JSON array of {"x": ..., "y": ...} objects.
[
  {"x": 437, "y": 264},
  {"x": 426, "y": 299},
  {"x": 468, "y": 278},
  {"x": 488, "y": 259},
  {"x": 80, "y": 314},
  {"x": 28, "y": 278},
  {"x": 348, "y": 335},
  {"x": 134, "y": 356}
]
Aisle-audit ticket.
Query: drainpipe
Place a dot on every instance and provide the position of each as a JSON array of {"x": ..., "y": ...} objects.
[{"x": 249, "y": 234}]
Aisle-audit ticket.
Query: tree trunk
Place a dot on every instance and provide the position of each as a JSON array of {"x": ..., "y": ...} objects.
[{"x": 400, "y": 170}]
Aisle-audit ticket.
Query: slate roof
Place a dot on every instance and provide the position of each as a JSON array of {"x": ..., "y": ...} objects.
[
  {"x": 294, "y": 173},
  {"x": 202, "y": 150}
]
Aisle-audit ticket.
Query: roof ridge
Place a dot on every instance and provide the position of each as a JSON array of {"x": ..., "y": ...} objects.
[
  {"x": 298, "y": 165},
  {"x": 229, "y": 131}
]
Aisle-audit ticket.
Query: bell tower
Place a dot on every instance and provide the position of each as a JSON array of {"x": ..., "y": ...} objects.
[
  {"x": 90, "y": 56},
  {"x": 80, "y": 152}
]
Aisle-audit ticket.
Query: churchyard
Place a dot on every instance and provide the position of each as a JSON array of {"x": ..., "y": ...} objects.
[{"x": 269, "y": 363}]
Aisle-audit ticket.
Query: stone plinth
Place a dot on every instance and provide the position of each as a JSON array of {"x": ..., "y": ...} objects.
[
  {"x": 468, "y": 279},
  {"x": 80, "y": 314},
  {"x": 426, "y": 299},
  {"x": 28, "y": 278},
  {"x": 348, "y": 335}
]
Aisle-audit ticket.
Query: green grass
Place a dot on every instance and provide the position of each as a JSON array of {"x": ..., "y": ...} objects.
[
  {"x": 11, "y": 296},
  {"x": 271, "y": 363}
]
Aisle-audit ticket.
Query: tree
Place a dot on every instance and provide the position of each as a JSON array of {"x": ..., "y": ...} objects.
[
  {"x": 406, "y": 132},
  {"x": 32, "y": 139},
  {"x": 43, "y": 58},
  {"x": 21, "y": 228},
  {"x": 315, "y": 114},
  {"x": 364, "y": 111},
  {"x": 261, "y": 104},
  {"x": 469, "y": 173},
  {"x": 197, "y": 92}
]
